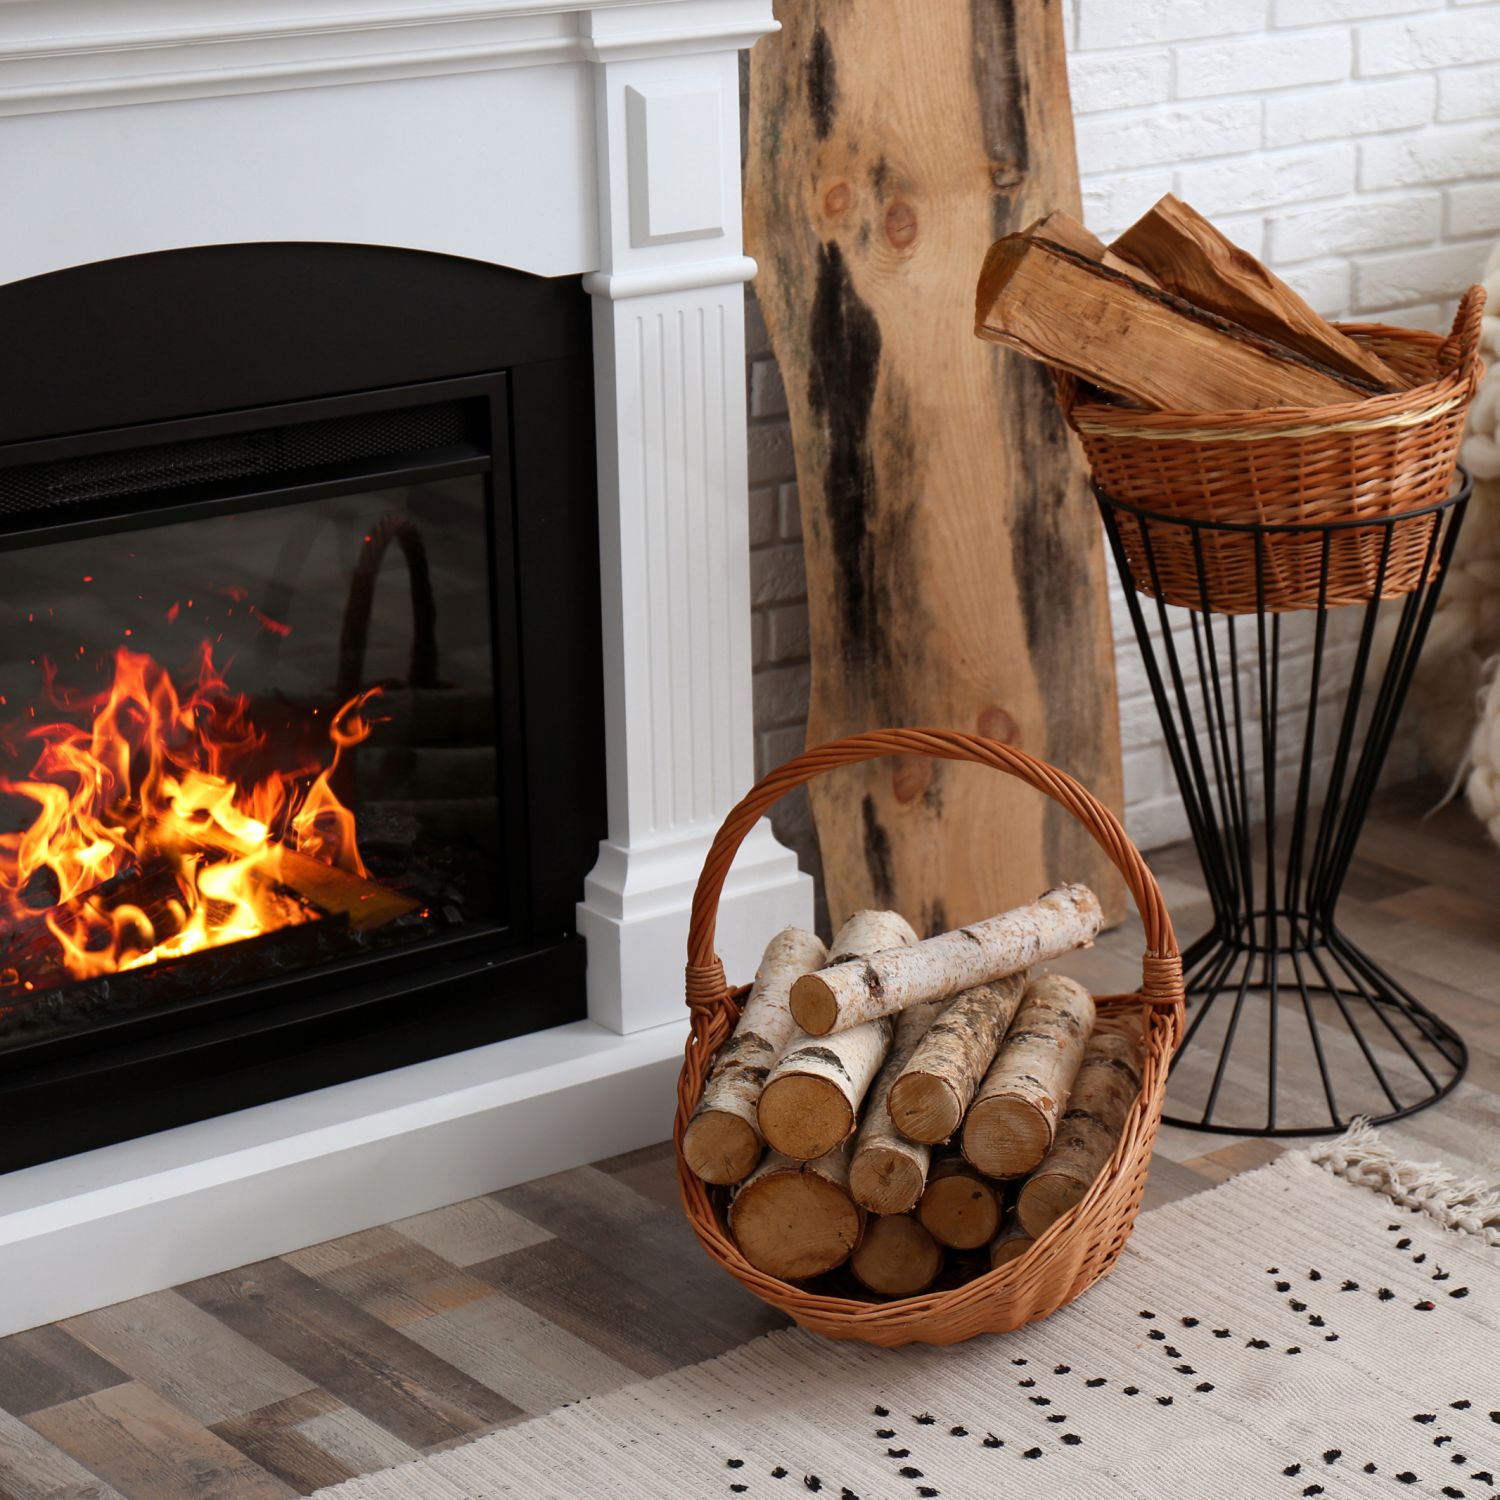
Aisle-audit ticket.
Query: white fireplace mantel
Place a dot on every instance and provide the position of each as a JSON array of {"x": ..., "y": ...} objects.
[{"x": 597, "y": 140}]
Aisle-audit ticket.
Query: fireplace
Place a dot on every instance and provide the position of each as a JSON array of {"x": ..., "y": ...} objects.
[
  {"x": 301, "y": 746},
  {"x": 499, "y": 242}
]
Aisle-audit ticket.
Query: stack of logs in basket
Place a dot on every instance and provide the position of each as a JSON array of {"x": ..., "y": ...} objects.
[
  {"x": 1171, "y": 315},
  {"x": 920, "y": 1110}
]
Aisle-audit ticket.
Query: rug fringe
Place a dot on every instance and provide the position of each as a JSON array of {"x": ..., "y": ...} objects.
[{"x": 1360, "y": 1156}]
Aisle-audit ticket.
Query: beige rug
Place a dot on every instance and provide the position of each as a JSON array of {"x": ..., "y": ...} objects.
[{"x": 1325, "y": 1326}]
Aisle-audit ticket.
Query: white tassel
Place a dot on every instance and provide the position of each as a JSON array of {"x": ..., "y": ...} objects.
[{"x": 1361, "y": 1157}]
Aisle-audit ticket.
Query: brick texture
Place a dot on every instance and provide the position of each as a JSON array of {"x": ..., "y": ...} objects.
[{"x": 1353, "y": 143}]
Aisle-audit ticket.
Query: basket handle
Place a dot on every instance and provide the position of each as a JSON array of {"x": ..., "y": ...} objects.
[
  {"x": 709, "y": 997},
  {"x": 1461, "y": 348}
]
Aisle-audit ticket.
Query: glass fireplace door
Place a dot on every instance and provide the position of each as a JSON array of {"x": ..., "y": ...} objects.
[{"x": 240, "y": 742}]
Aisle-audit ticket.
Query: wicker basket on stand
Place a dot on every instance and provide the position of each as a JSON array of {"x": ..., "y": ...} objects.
[
  {"x": 1084, "y": 1244},
  {"x": 1375, "y": 458}
]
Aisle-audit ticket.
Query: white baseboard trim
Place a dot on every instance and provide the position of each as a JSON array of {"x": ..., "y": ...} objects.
[{"x": 136, "y": 1217}]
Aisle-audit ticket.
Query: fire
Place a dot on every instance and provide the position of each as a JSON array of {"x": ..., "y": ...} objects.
[{"x": 158, "y": 830}]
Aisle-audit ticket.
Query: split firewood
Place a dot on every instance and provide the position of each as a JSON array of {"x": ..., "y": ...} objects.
[
  {"x": 1188, "y": 256},
  {"x": 888, "y": 1171},
  {"x": 1010, "y": 1244},
  {"x": 960, "y": 1208},
  {"x": 896, "y": 1257},
  {"x": 932, "y": 1093},
  {"x": 723, "y": 1142},
  {"x": 795, "y": 1219},
  {"x": 1054, "y": 305},
  {"x": 852, "y": 993},
  {"x": 811, "y": 1099},
  {"x": 1011, "y": 1125},
  {"x": 1063, "y": 229},
  {"x": 1106, "y": 1087}
]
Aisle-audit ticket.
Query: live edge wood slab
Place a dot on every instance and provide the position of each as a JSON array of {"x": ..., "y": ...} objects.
[{"x": 954, "y": 560}]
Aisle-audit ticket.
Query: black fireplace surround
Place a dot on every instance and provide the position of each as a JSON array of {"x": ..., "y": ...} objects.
[{"x": 301, "y": 704}]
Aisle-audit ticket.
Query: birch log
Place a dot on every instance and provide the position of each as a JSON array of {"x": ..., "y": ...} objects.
[
  {"x": 852, "y": 993},
  {"x": 723, "y": 1142},
  {"x": 960, "y": 1208},
  {"x": 868, "y": 932},
  {"x": 896, "y": 1257},
  {"x": 795, "y": 1219},
  {"x": 888, "y": 1171},
  {"x": 933, "y": 1091},
  {"x": 810, "y": 1102},
  {"x": 1010, "y": 1244},
  {"x": 1012, "y": 1122},
  {"x": 1103, "y": 1092}
]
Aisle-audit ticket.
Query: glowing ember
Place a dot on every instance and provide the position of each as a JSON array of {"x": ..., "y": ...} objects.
[{"x": 159, "y": 831}]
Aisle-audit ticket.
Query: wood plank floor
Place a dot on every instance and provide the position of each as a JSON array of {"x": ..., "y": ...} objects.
[{"x": 277, "y": 1378}]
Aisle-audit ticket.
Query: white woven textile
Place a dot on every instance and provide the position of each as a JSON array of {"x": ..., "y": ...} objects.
[{"x": 1288, "y": 1334}]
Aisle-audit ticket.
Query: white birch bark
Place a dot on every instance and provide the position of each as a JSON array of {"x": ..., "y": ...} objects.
[
  {"x": 812, "y": 1097},
  {"x": 723, "y": 1142},
  {"x": 869, "y": 932},
  {"x": 888, "y": 1171},
  {"x": 930, "y": 1097},
  {"x": 795, "y": 1219},
  {"x": 1106, "y": 1087},
  {"x": 1011, "y": 1124},
  {"x": 856, "y": 991}
]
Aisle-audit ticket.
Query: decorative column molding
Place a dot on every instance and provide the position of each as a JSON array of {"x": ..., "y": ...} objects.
[{"x": 669, "y": 351}]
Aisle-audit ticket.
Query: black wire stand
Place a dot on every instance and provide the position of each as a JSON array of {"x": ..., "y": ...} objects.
[{"x": 1277, "y": 780}]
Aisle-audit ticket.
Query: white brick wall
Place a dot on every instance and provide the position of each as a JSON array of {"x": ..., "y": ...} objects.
[{"x": 1354, "y": 144}]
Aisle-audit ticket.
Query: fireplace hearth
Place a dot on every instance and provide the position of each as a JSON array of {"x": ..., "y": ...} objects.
[{"x": 301, "y": 747}]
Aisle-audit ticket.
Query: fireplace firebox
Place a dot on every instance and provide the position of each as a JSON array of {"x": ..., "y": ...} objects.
[{"x": 301, "y": 724}]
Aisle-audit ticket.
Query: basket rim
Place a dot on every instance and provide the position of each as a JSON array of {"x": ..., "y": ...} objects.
[
  {"x": 1461, "y": 487},
  {"x": 1160, "y": 423}
]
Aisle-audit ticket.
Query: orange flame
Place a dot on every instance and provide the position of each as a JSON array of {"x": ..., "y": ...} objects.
[{"x": 151, "y": 839}]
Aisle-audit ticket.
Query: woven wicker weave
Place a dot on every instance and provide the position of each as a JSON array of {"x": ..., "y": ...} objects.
[
  {"x": 1370, "y": 458},
  {"x": 1083, "y": 1245}
]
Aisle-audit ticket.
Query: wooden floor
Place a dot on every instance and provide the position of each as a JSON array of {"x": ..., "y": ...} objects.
[{"x": 276, "y": 1378}]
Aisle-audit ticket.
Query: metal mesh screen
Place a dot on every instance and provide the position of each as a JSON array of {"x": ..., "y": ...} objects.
[{"x": 270, "y": 451}]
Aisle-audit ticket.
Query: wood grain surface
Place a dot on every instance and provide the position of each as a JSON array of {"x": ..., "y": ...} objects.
[{"x": 954, "y": 562}]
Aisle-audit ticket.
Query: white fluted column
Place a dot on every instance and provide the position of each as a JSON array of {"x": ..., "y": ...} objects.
[{"x": 669, "y": 349}]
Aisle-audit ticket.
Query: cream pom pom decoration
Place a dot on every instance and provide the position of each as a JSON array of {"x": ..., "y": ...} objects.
[{"x": 1484, "y": 756}]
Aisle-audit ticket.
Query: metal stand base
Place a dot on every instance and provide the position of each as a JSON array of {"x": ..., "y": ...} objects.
[{"x": 1276, "y": 773}]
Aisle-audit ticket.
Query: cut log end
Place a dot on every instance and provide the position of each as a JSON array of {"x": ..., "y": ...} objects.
[
  {"x": 813, "y": 1006},
  {"x": 1007, "y": 1137},
  {"x": 925, "y": 1107},
  {"x": 804, "y": 1116},
  {"x": 1012, "y": 1243},
  {"x": 793, "y": 1225},
  {"x": 960, "y": 1212},
  {"x": 885, "y": 1180},
  {"x": 897, "y": 1257},
  {"x": 1044, "y": 1200},
  {"x": 720, "y": 1147}
]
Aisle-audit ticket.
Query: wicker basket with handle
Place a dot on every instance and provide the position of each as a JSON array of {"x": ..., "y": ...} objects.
[
  {"x": 1084, "y": 1244},
  {"x": 1371, "y": 459}
]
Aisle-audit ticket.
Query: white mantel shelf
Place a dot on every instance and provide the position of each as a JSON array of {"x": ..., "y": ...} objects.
[{"x": 597, "y": 140}]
